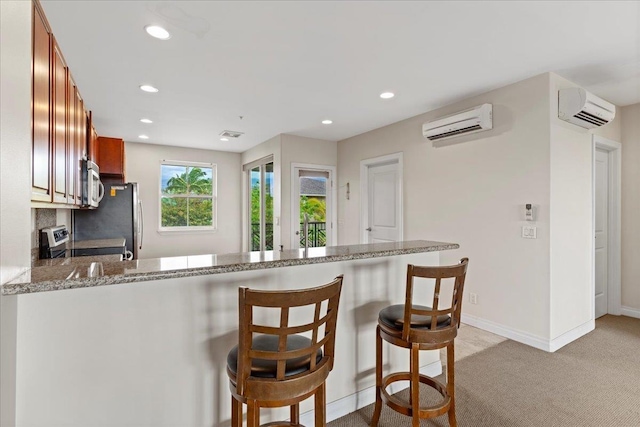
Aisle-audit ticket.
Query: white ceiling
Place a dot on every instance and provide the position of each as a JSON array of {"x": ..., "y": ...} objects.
[{"x": 286, "y": 66}]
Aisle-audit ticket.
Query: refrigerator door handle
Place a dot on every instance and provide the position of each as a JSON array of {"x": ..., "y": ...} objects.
[{"x": 140, "y": 222}]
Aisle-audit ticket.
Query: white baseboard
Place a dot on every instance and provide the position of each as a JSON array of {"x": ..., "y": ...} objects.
[
  {"x": 631, "y": 312},
  {"x": 525, "y": 337},
  {"x": 512, "y": 334},
  {"x": 571, "y": 335},
  {"x": 352, "y": 403}
]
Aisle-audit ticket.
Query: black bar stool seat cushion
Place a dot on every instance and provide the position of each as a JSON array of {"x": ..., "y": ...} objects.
[
  {"x": 263, "y": 368},
  {"x": 393, "y": 317}
]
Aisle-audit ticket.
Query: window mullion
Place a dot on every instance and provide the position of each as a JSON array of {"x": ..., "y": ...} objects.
[{"x": 262, "y": 210}]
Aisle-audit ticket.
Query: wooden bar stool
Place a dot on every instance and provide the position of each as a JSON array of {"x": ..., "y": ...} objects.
[
  {"x": 418, "y": 328},
  {"x": 276, "y": 366}
]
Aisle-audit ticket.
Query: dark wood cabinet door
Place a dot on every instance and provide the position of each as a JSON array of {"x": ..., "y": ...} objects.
[
  {"x": 92, "y": 141},
  {"x": 72, "y": 138},
  {"x": 81, "y": 147},
  {"x": 41, "y": 74},
  {"x": 59, "y": 126},
  {"x": 76, "y": 137},
  {"x": 111, "y": 157}
]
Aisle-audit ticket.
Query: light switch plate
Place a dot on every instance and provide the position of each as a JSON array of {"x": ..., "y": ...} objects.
[{"x": 529, "y": 232}]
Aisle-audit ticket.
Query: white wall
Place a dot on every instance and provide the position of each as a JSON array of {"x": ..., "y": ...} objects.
[
  {"x": 473, "y": 192},
  {"x": 630, "y": 208},
  {"x": 571, "y": 219},
  {"x": 15, "y": 182},
  {"x": 571, "y": 204},
  {"x": 143, "y": 166},
  {"x": 298, "y": 149}
]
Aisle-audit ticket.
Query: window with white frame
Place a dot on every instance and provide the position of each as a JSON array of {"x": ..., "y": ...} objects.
[{"x": 187, "y": 196}]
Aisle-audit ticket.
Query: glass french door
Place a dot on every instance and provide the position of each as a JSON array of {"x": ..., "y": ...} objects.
[
  {"x": 311, "y": 196},
  {"x": 260, "y": 180}
]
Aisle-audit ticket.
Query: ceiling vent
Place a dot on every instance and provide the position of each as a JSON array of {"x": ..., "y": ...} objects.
[
  {"x": 473, "y": 120},
  {"x": 231, "y": 134},
  {"x": 577, "y": 106}
]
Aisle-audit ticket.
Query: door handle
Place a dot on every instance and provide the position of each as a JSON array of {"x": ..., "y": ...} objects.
[
  {"x": 368, "y": 228},
  {"x": 141, "y": 222}
]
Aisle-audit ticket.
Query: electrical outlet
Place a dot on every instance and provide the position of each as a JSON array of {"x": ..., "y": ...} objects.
[{"x": 473, "y": 298}]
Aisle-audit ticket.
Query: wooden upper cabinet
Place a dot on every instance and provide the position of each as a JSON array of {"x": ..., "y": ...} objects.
[
  {"x": 81, "y": 147},
  {"x": 41, "y": 108},
  {"x": 77, "y": 141},
  {"x": 59, "y": 125},
  {"x": 111, "y": 157},
  {"x": 59, "y": 121},
  {"x": 72, "y": 138},
  {"x": 92, "y": 140}
]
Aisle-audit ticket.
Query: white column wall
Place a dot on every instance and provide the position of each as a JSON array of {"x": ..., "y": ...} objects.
[
  {"x": 630, "y": 207},
  {"x": 572, "y": 240},
  {"x": 571, "y": 222},
  {"x": 15, "y": 182}
]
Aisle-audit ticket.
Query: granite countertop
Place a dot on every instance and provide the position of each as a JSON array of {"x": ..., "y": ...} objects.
[
  {"x": 51, "y": 262},
  {"x": 85, "y": 272}
]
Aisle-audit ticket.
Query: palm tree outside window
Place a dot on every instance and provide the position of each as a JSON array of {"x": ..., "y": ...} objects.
[{"x": 187, "y": 199}]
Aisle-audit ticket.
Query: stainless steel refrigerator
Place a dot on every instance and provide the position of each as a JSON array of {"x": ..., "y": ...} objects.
[{"x": 118, "y": 215}]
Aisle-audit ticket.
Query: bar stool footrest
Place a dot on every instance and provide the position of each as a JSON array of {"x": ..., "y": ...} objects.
[
  {"x": 281, "y": 424},
  {"x": 403, "y": 407}
]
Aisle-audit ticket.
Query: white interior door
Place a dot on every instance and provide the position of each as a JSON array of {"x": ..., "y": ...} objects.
[
  {"x": 601, "y": 235},
  {"x": 384, "y": 203}
]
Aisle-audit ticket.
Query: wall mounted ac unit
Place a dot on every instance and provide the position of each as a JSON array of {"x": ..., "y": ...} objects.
[
  {"x": 577, "y": 106},
  {"x": 473, "y": 120}
]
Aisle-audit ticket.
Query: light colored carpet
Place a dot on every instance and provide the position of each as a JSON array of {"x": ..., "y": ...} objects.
[{"x": 594, "y": 381}]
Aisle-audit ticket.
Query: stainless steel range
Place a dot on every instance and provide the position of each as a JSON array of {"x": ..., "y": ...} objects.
[{"x": 53, "y": 242}]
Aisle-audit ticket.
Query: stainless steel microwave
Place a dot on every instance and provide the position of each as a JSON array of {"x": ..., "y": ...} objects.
[{"x": 92, "y": 188}]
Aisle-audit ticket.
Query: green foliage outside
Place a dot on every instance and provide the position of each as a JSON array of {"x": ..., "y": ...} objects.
[
  {"x": 314, "y": 207},
  {"x": 181, "y": 210},
  {"x": 255, "y": 205},
  {"x": 255, "y": 218}
]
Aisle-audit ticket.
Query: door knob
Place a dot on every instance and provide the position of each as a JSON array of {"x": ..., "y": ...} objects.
[{"x": 368, "y": 228}]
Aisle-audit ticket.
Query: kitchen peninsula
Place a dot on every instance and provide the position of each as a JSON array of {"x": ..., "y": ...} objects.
[{"x": 151, "y": 349}]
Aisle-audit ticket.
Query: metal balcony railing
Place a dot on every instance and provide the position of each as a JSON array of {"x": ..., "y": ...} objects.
[{"x": 317, "y": 235}]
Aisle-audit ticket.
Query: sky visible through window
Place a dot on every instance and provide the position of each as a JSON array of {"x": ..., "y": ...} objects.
[
  {"x": 170, "y": 171},
  {"x": 255, "y": 178}
]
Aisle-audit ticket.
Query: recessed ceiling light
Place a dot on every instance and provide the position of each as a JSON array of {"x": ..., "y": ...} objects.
[
  {"x": 387, "y": 95},
  {"x": 148, "y": 88},
  {"x": 327, "y": 122},
  {"x": 224, "y": 139},
  {"x": 143, "y": 137},
  {"x": 157, "y": 32},
  {"x": 146, "y": 121}
]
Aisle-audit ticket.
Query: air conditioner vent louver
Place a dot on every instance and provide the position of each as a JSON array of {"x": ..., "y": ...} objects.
[
  {"x": 591, "y": 118},
  {"x": 584, "y": 109},
  {"x": 473, "y": 120},
  {"x": 231, "y": 134},
  {"x": 455, "y": 132}
]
